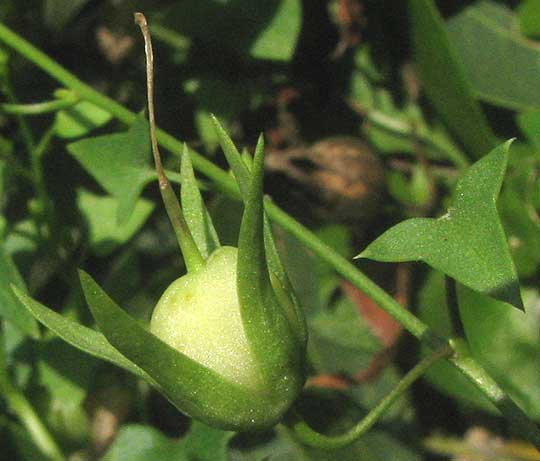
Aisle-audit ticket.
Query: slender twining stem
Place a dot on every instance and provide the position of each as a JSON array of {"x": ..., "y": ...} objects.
[
  {"x": 46, "y": 211},
  {"x": 26, "y": 133},
  {"x": 226, "y": 184},
  {"x": 34, "y": 153},
  {"x": 38, "y": 108},
  {"x": 192, "y": 256},
  {"x": 315, "y": 439}
]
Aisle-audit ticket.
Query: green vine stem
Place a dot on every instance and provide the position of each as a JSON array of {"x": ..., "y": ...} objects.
[
  {"x": 314, "y": 439},
  {"x": 226, "y": 184},
  {"x": 37, "y": 108}
]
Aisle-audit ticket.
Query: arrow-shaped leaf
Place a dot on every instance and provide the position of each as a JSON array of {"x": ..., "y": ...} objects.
[
  {"x": 119, "y": 163},
  {"x": 468, "y": 242}
]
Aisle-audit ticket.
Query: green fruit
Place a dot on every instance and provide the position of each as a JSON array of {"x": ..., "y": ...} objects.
[{"x": 199, "y": 315}]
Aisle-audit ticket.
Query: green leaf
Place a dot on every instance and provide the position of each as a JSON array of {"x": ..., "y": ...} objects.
[
  {"x": 10, "y": 307},
  {"x": 278, "y": 446},
  {"x": 65, "y": 371},
  {"x": 432, "y": 309},
  {"x": 486, "y": 36},
  {"x": 57, "y": 13},
  {"x": 79, "y": 336},
  {"x": 529, "y": 18},
  {"x": 66, "y": 374},
  {"x": 507, "y": 343},
  {"x": 191, "y": 387},
  {"x": 444, "y": 79},
  {"x": 519, "y": 217},
  {"x": 340, "y": 342},
  {"x": 529, "y": 124},
  {"x": 224, "y": 98},
  {"x": 203, "y": 443},
  {"x": 468, "y": 242},
  {"x": 26, "y": 448},
  {"x": 278, "y": 38},
  {"x": 119, "y": 163},
  {"x": 196, "y": 215},
  {"x": 79, "y": 120},
  {"x": 268, "y": 31},
  {"x": 105, "y": 234},
  {"x": 413, "y": 192},
  {"x": 205, "y": 129},
  {"x": 144, "y": 443}
]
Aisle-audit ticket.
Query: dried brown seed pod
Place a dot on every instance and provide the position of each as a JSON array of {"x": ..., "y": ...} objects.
[{"x": 341, "y": 173}]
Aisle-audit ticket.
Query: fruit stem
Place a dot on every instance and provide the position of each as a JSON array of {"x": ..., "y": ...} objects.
[
  {"x": 312, "y": 438},
  {"x": 192, "y": 255}
]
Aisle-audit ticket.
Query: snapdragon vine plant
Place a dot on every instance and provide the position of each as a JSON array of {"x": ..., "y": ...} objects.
[{"x": 226, "y": 343}]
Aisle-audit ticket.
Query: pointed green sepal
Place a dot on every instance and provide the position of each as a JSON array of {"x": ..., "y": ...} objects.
[
  {"x": 241, "y": 168},
  {"x": 195, "y": 213},
  {"x": 270, "y": 332},
  {"x": 79, "y": 336},
  {"x": 191, "y": 387}
]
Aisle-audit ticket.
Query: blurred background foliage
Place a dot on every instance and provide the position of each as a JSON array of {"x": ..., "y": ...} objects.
[{"x": 364, "y": 128}]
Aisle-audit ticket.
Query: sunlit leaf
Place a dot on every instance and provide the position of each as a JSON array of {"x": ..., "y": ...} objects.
[
  {"x": 340, "y": 340},
  {"x": 66, "y": 374},
  {"x": 268, "y": 32},
  {"x": 442, "y": 375},
  {"x": 203, "y": 443},
  {"x": 519, "y": 217},
  {"x": 80, "y": 120},
  {"x": 529, "y": 18},
  {"x": 10, "y": 307},
  {"x": 506, "y": 342},
  {"x": 468, "y": 242},
  {"x": 501, "y": 64},
  {"x": 119, "y": 163},
  {"x": 278, "y": 38},
  {"x": 444, "y": 79},
  {"x": 143, "y": 443},
  {"x": 105, "y": 234}
]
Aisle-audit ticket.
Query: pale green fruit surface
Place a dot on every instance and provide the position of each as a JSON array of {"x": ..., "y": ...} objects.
[{"x": 199, "y": 315}]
